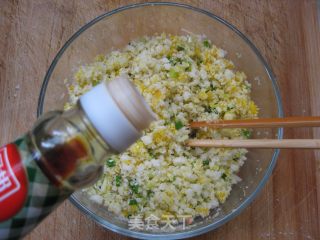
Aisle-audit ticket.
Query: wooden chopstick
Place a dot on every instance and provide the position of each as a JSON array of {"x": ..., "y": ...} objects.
[
  {"x": 258, "y": 123},
  {"x": 256, "y": 143},
  {"x": 261, "y": 123}
]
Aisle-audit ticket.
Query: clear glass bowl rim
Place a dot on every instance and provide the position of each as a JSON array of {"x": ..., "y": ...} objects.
[{"x": 246, "y": 202}]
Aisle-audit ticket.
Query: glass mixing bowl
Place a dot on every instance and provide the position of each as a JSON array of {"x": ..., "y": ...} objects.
[{"x": 114, "y": 30}]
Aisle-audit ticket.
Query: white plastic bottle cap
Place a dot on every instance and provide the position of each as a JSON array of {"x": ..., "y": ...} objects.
[{"x": 118, "y": 112}]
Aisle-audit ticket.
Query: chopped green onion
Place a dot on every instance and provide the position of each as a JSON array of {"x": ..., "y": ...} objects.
[
  {"x": 133, "y": 202},
  {"x": 224, "y": 176},
  {"x": 192, "y": 164},
  {"x": 174, "y": 60},
  {"x": 236, "y": 158},
  {"x": 111, "y": 162},
  {"x": 206, "y": 43},
  {"x": 207, "y": 109},
  {"x": 246, "y": 133},
  {"x": 173, "y": 73},
  {"x": 212, "y": 88},
  {"x": 95, "y": 83},
  {"x": 246, "y": 86},
  {"x": 206, "y": 162},
  {"x": 198, "y": 60},
  {"x": 151, "y": 153},
  {"x": 118, "y": 180},
  {"x": 149, "y": 192},
  {"x": 178, "y": 124},
  {"x": 215, "y": 110},
  {"x": 134, "y": 187},
  {"x": 180, "y": 48}
]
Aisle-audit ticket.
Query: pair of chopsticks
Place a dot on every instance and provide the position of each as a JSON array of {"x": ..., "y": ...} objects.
[{"x": 258, "y": 123}]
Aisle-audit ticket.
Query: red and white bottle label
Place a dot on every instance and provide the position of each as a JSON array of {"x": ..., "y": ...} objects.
[{"x": 13, "y": 182}]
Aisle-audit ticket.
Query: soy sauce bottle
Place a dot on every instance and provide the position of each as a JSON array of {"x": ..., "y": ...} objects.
[{"x": 66, "y": 151}]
